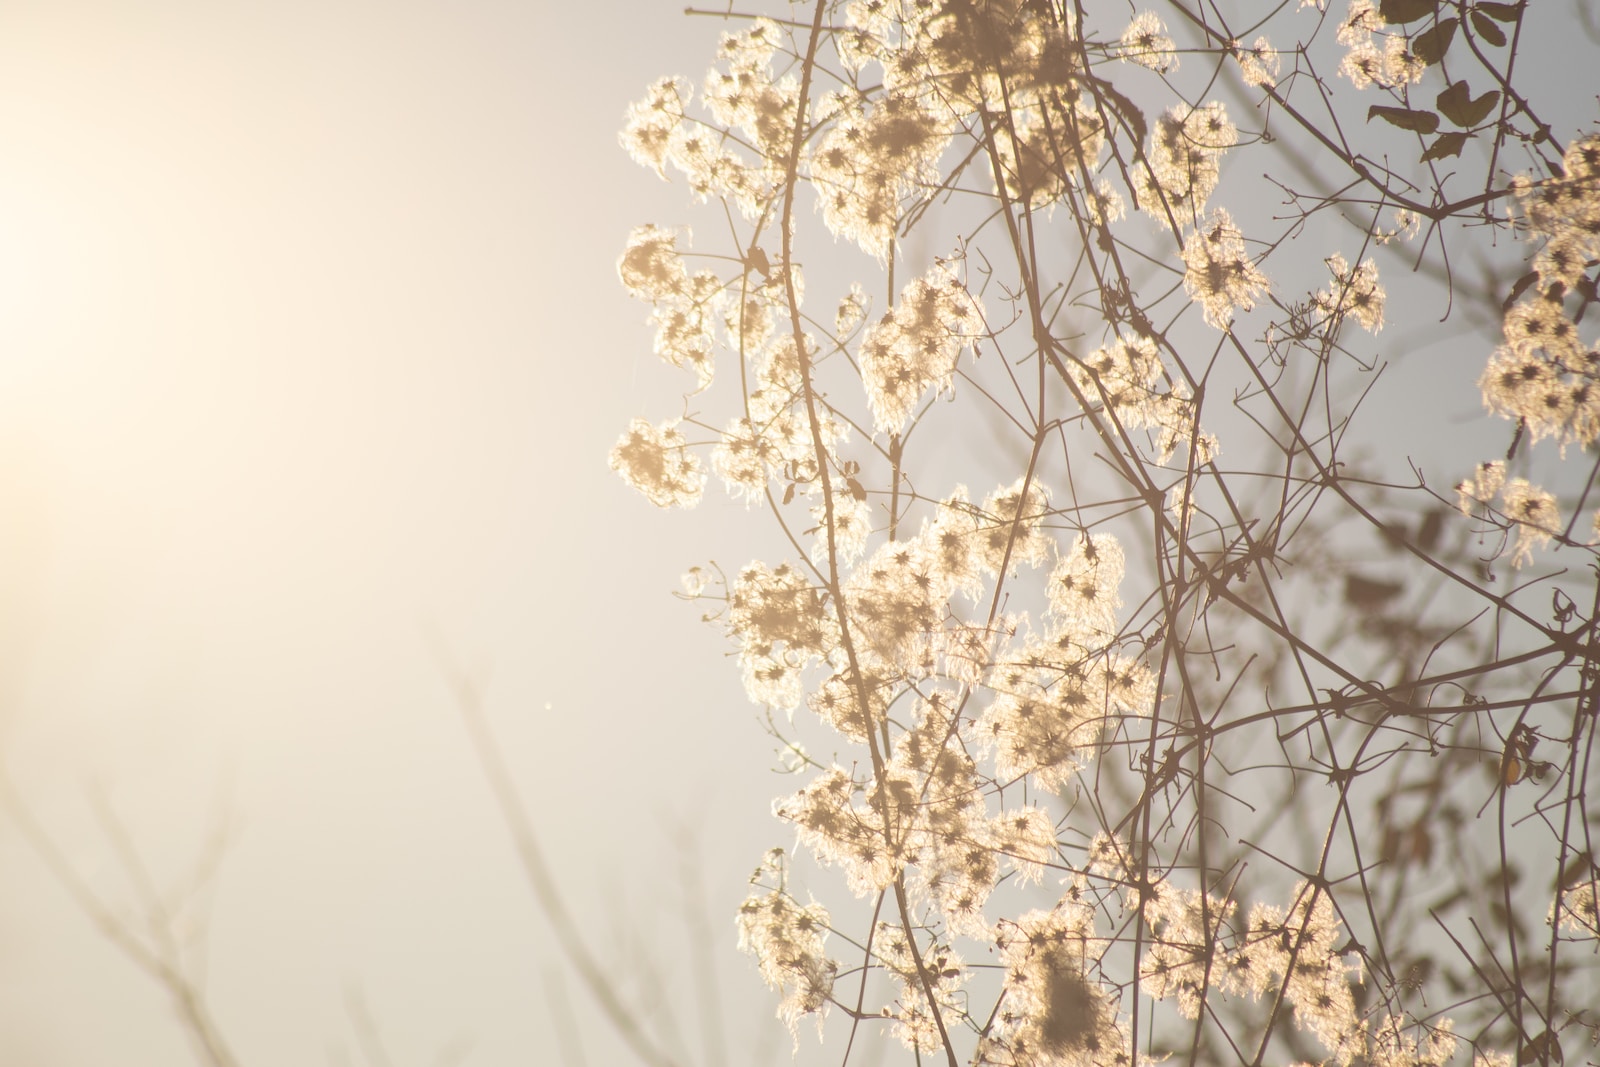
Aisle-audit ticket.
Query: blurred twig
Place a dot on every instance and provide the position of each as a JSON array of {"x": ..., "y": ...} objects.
[
  {"x": 545, "y": 892},
  {"x": 156, "y": 949}
]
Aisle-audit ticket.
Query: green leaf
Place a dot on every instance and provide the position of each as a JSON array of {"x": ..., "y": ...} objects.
[
  {"x": 1448, "y": 144},
  {"x": 1487, "y": 29},
  {"x": 1406, "y": 10},
  {"x": 1458, "y": 106},
  {"x": 1405, "y": 118},
  {"x": 1501, "y": 12},
  {"x": 1431, "y": 45}
]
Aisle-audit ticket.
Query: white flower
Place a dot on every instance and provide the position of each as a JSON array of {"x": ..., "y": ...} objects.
[
  {"x": 657, "y": 462},
  {"x": 1220, "y": 276}
]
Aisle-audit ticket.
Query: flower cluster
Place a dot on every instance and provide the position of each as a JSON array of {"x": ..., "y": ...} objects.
[
  {"x": 686, "y": 308},
  {"x": 916, "y": 969},
  {"x": 1355, "y": 292},
  {"x": 1055, "y": 694},
  {"x": 1056, "y": 1012},
  {"x": 1185, "y": 163},
  {"x": 656, "y": 461},
  {"x": 787, "y": 941},
  {"x": 1545, "y": 375},
  {"x": 1259, "y": 64},
  {"x": 1579, "y": 908},
  {"x": 1221, "y": 276},
  {"x": 743, "y": 94},
  {"x": 1146, "y": 43},
  {"x": 913, "y": 349},
  {"x": 654, "y": 123},
  {"x": 1532, "y": 512},
  {"x": 776, "y": 438},
  {"x": 1297, "y": 953},
  {"x": 1045, "y": 151},
  {"x": 1129, "y": 378},
  {"x": 1186, "y": 928},
  {"x": 872, "y": 158},
  {"x": 1377, "y": 55},
  {"x": 782, "y": 625}
]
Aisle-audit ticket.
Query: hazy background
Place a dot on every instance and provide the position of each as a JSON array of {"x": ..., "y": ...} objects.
[
  {"x": 310, "y": 345},
  {"x": 311, "y": 351}
]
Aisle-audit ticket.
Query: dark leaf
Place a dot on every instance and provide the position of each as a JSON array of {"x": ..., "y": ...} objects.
[
  {"x": 1394, "y": 11},
  {"x": 855, "y": 489},
  {"x": 788, "y": 493},
  {"x": 1431, "y": 45},
  {"x": 1448, "y": 144},
  {"x": 1520, "y": 288},
  {"x": 1428, "y": 532},
  {"x": 1367, "y": 592},
  {"x": 1578, "y": 870},
  {"x": 757, "y": 261},
  {"x": 1421, "y": 844},
  {"x": 1545, "y": 1045},
  {"x": 1458, "y": 106},
  {"x": 1487, "y": 29},
  {"x": 1417, "y": 974},
  {"x": 1405, "y": 118},
  {"x": 1389, "y": 850},
  {"x": 1502, "y": 12},
  {"x": 1126, "y": 108}
]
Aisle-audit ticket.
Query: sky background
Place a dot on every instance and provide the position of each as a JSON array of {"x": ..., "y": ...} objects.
[
  {"x": 311, "y": 346},
  {"x": 311, "y": 352}
]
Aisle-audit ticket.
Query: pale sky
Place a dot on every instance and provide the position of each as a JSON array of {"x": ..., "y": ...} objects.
[{"x": 310, "y": 344}]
